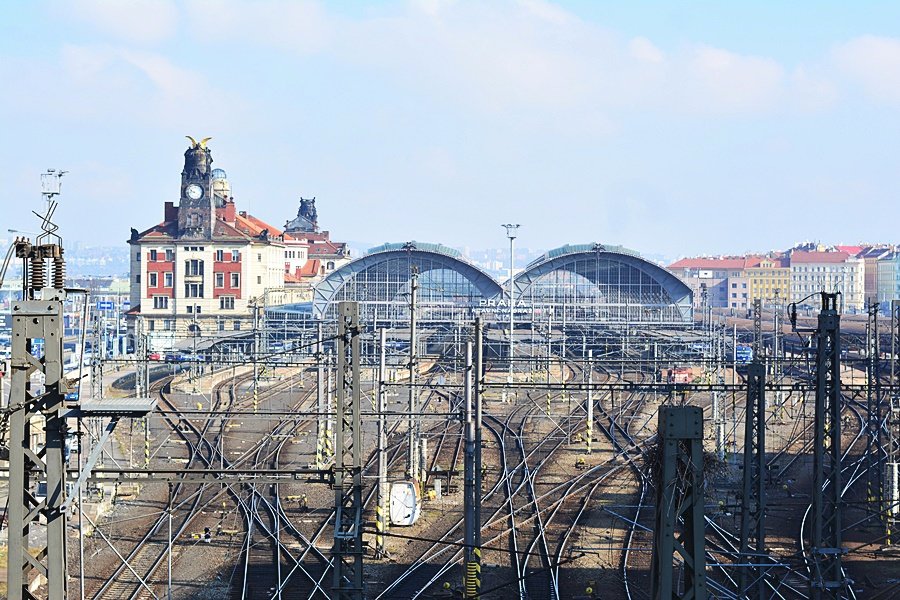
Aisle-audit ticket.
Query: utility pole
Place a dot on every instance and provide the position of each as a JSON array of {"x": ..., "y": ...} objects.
[
  {"x": 347, "y": 551},
  {"x": 382, "y": 508},
  {"x": 39, "y": 316},
  {"x": 413, "y": 447},
  {"x": 511, "y": 231},
  {"x": 590, "y": 406},
  {"x": 471, "y": 497},
  {"x": 479, "y": 466},
  {"x": 322, "y": 421},
  {"x": 875, "y": 454},
  {"x": 827, "y": 579},
  {"x": 753, "y": 503},
  {"x": 256, "y": 355},
  {"x": 679, "y": 498}
]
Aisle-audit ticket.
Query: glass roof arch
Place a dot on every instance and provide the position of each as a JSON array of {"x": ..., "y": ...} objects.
[{"x": 449, "y": 287}]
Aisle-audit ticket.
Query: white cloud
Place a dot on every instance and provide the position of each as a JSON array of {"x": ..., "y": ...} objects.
[
  {"x": 717, "y": 80},
  {"x": 141, "y": 21},
  {"x": 873, "y": 62},
  {"x": 297, "y": 25},
  {"x": 113, "y": 84},
  {"x": 644, "y": 50}
]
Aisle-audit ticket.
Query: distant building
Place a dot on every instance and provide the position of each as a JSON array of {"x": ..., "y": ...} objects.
[
  {"x": 888, "y": 279},
  {"x": 829, "y": 271},
  {"x": 770, "y": 280},
  {"x": 206, "y": 265},
  {"x": 871, "y": 255},
  {"x": 724, "y": 279}
]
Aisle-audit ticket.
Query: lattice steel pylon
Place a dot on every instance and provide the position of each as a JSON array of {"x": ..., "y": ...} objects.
[
  {"x": 876, "y": 456},
  {"x": 38, "y": 318},
  {"x": 347, "y": 551},
  {"x": 679, "y": 497},
  {"x": 827, "y": 578},
  {"x": 751, "y": 580}
]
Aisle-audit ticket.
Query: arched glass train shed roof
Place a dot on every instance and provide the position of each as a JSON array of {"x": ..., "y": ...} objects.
[
  {"x": 590, "y": 283},
  {"x": 449, "y": 287},
  {"x": 586, "y": 283}
]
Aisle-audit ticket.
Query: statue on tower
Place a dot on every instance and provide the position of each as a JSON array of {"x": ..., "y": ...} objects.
[
  {"x": 307, "y": 217},
  {"x": 197, "y": 159}
]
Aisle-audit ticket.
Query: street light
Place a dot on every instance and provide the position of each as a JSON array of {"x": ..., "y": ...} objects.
[{"x": 511, "y": 229}]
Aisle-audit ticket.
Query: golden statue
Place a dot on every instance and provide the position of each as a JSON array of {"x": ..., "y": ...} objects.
[{"x": 196, "y": 144}]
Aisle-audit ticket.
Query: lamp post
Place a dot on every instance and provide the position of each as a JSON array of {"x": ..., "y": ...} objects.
[{"x": 511, "y": 229}]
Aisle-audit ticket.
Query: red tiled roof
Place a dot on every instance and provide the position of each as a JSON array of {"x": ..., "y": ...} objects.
[
  {"x": 249, "y": 224},
  {"x": 310, "y": 268},
  {"x": 725, "y": 262},
  {"x": 851, "y": 250},
  {"x": 819, "y": 257},
  {"x": 327, "y": 247}
]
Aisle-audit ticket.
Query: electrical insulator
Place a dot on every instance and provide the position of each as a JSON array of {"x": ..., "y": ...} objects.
[
  {"x": 37, "y": 272},
  {"x": 59, "y": 271}
]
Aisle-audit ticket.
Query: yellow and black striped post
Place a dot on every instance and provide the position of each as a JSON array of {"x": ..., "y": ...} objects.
[
  {"x": 473, "y": 575},
  {"x": 146, "y": 442}
]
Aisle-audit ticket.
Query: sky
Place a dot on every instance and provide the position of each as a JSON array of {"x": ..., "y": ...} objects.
[{"x": 673, "y": 128}]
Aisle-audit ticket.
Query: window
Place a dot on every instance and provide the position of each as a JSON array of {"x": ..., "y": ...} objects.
[
  {"x": 733, "y": 285},
  {"x": 734, "y": 295},
  {"x": 235, "y": 256},
  {"x": 196, "y": 309},
  {"x": 237, "y": 325},
  {"x": 152, "y": 279},
  {"x": 259, "y": 279},
  {"x": 193, "y": 220},
  {"x": 170, "y": 255},
  {"x": 151, "y": 324},
  {"x": 167, "y": 279},
  {"x": 744, "y": 286},
  {"x": 193, "y": 290},
  {"x": 190, "y": 309},
  {"x": 137, "y": 256},
  {"x": 220, "y": 280},
  {"x": 220, "y": 255},
  {"x": 226, "y": 302},
  {"x": 259, "y": 257},
  {"x": 330, "y": 265},
  {"x": 160, "y": 302},
  {"x": 168, "y": 324},
  {"x": 137, "y": 278},
  {"x": 220, "y": 325},
  {"x": 235, "y": 280},
  {"x": 153, "y": 255},
  {"x": 193, "y": 267}
]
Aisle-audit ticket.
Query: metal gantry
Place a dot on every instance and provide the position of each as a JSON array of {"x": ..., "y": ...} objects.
[
  {"x": 347, "y": 551},
  {"x": 751, "y": 580},
  {"x": 679, "y": 499},
  {"x": 827, "y": 578}
]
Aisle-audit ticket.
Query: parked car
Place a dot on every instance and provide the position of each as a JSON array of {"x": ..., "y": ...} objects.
[{"x": 153, "y": 356}]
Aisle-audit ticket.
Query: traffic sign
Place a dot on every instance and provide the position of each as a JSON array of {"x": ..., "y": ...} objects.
[{"x": 105, "y": 305}]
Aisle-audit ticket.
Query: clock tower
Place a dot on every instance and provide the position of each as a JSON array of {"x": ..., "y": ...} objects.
[{"x": 196, "y": 215}]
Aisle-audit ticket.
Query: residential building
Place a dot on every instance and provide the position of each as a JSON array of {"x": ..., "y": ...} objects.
[
  {"x": 723, "y": 279},
  {"x": 888, "y": 280},
  {"x": 770, "y": 280},
  {"x": 828, "y": 271}
]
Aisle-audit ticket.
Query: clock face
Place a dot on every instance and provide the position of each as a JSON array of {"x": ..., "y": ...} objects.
[{"x": 194, "y": 191}]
